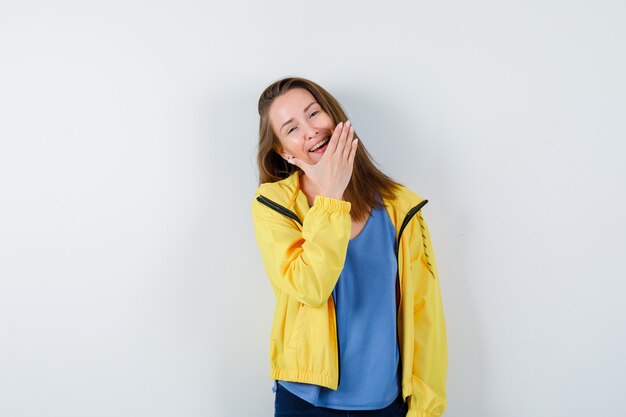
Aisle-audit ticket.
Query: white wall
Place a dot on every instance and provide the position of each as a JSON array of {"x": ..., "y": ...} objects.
[{"x": 130, "y": 281}]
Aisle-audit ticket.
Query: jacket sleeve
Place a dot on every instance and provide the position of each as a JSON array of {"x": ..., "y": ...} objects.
[
  {"x": 306, "y": 263},
  {"x": 430, "y": 355}
]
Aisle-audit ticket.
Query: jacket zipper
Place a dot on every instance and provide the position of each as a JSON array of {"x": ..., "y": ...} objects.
[
  {"x": 410, "y": 214},
  {"x": 337, "y": 338},
  {"x": 407, "y": 219}
]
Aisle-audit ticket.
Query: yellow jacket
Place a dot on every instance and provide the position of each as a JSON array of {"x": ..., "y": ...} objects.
[{"x": 304, "y": 249}]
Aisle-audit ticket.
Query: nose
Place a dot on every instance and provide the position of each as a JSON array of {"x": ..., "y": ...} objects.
[{"x": 311, "y": 131}]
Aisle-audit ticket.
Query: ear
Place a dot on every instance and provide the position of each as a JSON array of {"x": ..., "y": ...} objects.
[{"x": 279, "y": 150}]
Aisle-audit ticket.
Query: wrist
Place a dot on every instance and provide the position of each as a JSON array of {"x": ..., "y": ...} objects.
[{"x": 335, "y": 195}]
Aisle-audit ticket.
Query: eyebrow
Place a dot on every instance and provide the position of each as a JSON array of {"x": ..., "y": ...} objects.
[{"x": 291, "y": 120}]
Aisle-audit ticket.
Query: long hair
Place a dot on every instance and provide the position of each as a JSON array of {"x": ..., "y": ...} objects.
[{"x": 367, "y": 181}]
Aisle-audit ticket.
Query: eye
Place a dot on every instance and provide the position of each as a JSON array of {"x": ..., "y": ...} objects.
[
  {"x": 291, "y": 129},
  {"x": 315, "y": 113}
]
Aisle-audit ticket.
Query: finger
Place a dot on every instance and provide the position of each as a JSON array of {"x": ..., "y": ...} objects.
[
  {"x": 348, "y": 144},
  {"x": 332, "y": 143},
  {"x": 342, "y": 138},
  {"x": 353, "y": 146}
]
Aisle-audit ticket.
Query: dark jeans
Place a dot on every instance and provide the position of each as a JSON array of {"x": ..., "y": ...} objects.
[{"x": 287, "y": 404}]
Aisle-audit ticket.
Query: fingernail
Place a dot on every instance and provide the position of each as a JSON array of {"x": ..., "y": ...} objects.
[
  {"x": 340, "y": 124},
  {"x": 348, "y": 122}
]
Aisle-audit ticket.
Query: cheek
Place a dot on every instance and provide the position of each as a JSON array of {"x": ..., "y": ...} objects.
[{"x": 328, "y": 122}]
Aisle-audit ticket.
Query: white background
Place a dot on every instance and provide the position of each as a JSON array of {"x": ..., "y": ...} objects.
[{"x": 130, "y": 280}]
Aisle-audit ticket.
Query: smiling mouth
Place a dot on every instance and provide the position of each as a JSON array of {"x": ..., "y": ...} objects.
[{"x": 319, "y": 145}]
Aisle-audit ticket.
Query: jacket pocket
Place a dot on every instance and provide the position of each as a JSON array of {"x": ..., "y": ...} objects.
[{"x": 296, "y": 333}]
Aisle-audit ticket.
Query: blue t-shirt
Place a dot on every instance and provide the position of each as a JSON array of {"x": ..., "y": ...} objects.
[{"x": 365, "y": 298}]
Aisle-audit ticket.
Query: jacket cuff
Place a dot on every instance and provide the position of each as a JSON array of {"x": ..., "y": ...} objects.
[{"x": 332, "y": 204}]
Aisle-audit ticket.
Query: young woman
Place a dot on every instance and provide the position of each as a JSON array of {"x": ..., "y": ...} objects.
[{"x": 358, "y": 325}]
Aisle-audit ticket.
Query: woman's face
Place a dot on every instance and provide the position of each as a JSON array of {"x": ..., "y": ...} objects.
[{"x": 300, "y": 125}]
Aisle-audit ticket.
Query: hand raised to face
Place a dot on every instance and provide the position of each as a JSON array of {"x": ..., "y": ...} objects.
[{"x": 333, "y": 171}]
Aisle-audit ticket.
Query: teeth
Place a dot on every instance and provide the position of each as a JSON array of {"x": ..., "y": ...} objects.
[{"x": 319, "y": 145}]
